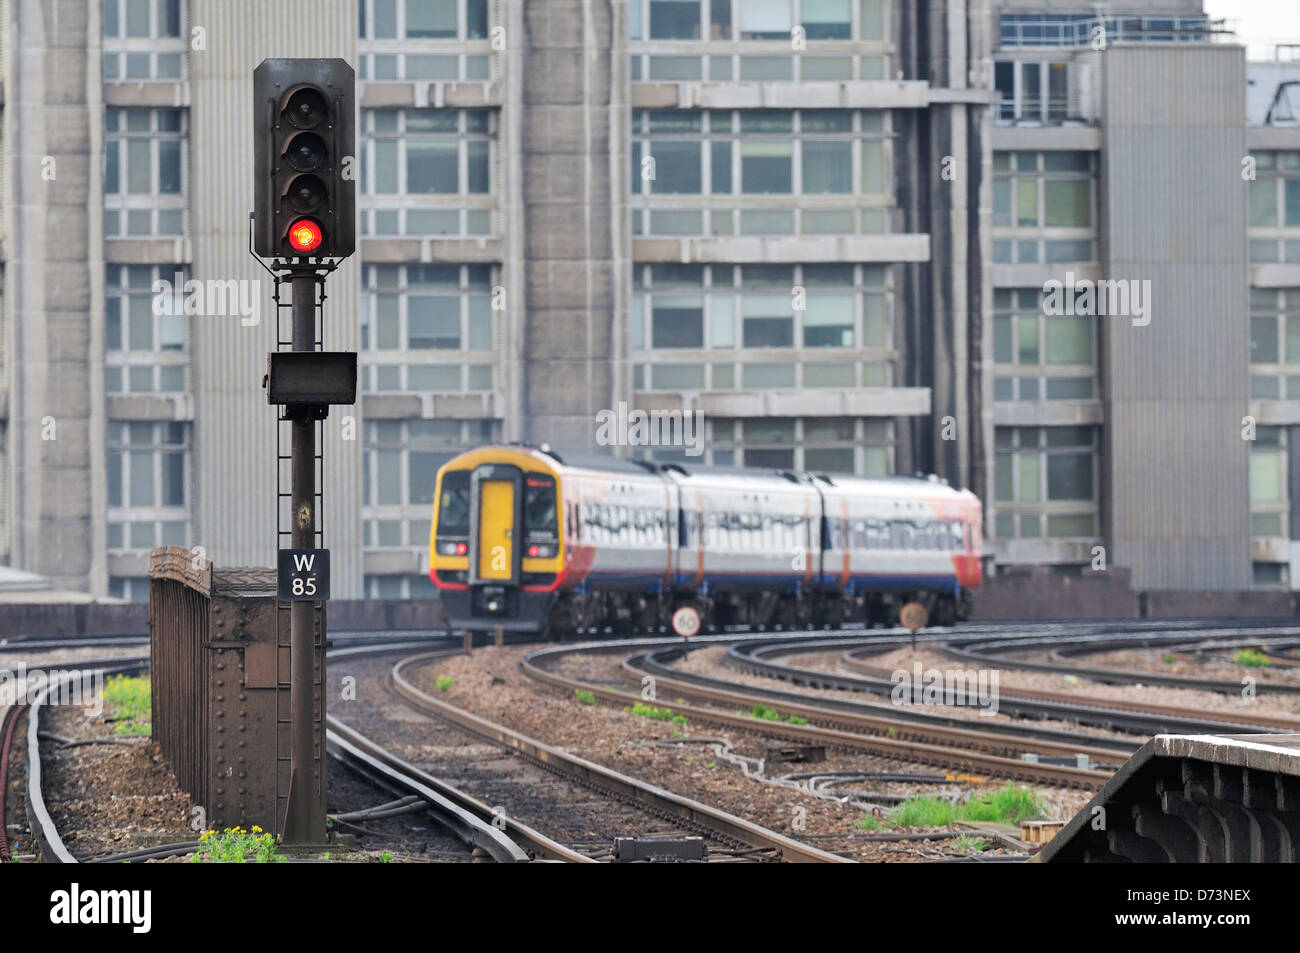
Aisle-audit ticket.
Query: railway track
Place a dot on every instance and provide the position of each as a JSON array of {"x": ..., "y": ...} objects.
[
  {"x": 760, "y": 658},
  {"x": 960, "y": 749},
  {"x": 576, "y": 788}
]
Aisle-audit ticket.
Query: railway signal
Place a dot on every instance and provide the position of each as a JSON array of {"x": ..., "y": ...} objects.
[{"x": 304, "y": 135}]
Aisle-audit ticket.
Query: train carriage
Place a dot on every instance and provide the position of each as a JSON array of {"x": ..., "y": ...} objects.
[{"x": 529, "y": 540}]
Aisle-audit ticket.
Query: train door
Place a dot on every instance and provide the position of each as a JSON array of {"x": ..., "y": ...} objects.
[{"x": 496, "y": 499}]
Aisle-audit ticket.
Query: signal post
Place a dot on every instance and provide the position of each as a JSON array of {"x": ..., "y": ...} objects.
[{"x": 304, "y": 222}]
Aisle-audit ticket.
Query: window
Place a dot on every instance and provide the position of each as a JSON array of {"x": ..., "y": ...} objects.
[
  {"x": 844, "y": 445},
  {"x": 148, "y": 482},
  {"x": 746, "y": 324},
  {"x": 145, "y": 172},
  {"x": 427, "y": 328},
  {"x": 1275, "y": 343},
  {"x": 1043, "y": 207},
  {"x": 814, "y": 157},
  {"x": 1039, "y": 356},
  {"x": 1032, "y": 91},
  {"x": 1269, "y": 501},
  {"x": 1274, "y": 200},
  {"x": 399, "y": 472},
  {"x": 146, "y": 340},
  {"x": 424, "y": 19},
  {"x": 426, "y": 151},
  {"x": 143, "y": 40},
  {"x": 1046, "y": 482}
]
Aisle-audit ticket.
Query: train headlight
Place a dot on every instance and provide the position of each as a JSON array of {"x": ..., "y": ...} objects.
[
  {"x": 542, "y": 550},
  {"x": 452, "y": 548}
]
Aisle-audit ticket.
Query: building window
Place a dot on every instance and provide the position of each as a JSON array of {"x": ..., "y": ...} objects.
[
  {"x": 1275, "y": 343},
  {"x": 130, "y": 588},
  {"x": 148, "y": 480},
  {"x": 1032, "y": 91},
  {"x": 399, "y": 472},
  {"x": 757, "y": 20},
  {"x": 1269, "y": 505},
  {"x": 146, "y": 341},
  {"x": 145, "y": 172},
  {"x": 394, "y": 586},
  {"x": 695, "y": 327},
  {"x": 427, "y": 328},
  {"x": 682, "y": 160},
  {"x": 1046, "y": 482},
  {"x": 1043, "y": 207},
  {"x": 423, "y": 19},
  {"x": 144, "y": 40},
  {"x": 1275, "y": 208},
  {"x": 831, "y": 445},
  {"x": 1039, "y": 356}
]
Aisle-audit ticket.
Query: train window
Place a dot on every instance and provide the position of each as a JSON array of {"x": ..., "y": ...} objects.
[
  {"x": 539, "y": 506},
  {"x": 453, "y": 508}
]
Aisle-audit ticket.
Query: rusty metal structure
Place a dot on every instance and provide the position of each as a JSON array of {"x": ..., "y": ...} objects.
[{"x": 220, "y": 685}]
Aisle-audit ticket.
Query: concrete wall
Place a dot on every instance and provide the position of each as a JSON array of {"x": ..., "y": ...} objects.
[
  {"x": 1173, "y": 206},
  {"x": 54, "y": 284},
  {"x": 573, "y": 196}
]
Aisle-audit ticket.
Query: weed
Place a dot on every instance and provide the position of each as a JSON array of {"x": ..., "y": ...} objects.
[
  {"x": 868, "y": 822},
  {"x": 443, "y": 682},
  {"x": 235, "y": 845},
  {"x": 1251, "y": 658},
  {"x": 131, "y": 704},
  {"x": 658, "y": 714},
  {"x": 584, "y": 696}
]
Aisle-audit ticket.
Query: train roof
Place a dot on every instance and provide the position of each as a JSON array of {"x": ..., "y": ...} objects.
[{"x": 916, "y": 486}]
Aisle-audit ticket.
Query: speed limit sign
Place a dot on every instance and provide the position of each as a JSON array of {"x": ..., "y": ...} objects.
[{"x": 686, "y": 621}]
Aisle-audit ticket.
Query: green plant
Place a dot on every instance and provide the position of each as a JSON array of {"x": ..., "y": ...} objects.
[
  {"x": 1169, "y": 659},
  {"x": 892, "y": 732},
  {"x": 235, "y": 845},
  {"x": 764, "y": 713},
  {"x": 868, "y": 822},
  {"x": 131, "y": 704},
  {"x": 712, "y": 765},
  {"x": 797, "y": 720},
  {"x": 968, "y": 844},
  {"x": 584, "y": 696},
  {"x": 1009, "y": 804},
  {"x": 385, "y": 858},
  {"x": 443, "y": 682},
  {"x": 1251, "y": 658},
  {"x": 658, "y": 714}
]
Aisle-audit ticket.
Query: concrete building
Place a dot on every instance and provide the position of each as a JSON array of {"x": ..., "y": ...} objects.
[{"x": 828, "y": 225}]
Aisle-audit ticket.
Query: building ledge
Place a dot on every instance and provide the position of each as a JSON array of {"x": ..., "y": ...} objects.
[
  {"x": 157, "y": 93},
  {"x": 1035, "y": 275},
  {"x": 1049, "y": 413},
  {"x": 843, "y": 94},
  {"x": 858, "y": 402},
  {"x": 406, "y": 405},
  {"x": 393, "y": 562},
  {"x": 1275, "y": 276},
  {"x": 753, "y": 250},
  {"x": 1047, "y": 138},
  {"x": 1273, "y": 137},
  {"x": 422, "y": 95},
  {"x": 1274, "y": 412},
  {"x": 1012, "y": 552},
  {"x": 431, "y": 250},
  {"x": 148, "y": 251},
  {"x": 150, "y": 407}
]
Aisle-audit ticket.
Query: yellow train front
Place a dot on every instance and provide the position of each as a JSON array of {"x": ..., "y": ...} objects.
[{"x": 495, "y": 547}]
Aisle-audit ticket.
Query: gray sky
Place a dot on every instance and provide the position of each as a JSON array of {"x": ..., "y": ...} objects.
[{"x": 1260, "y": 22}]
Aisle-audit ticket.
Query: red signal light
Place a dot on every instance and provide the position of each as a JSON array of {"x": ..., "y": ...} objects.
[
  {"x": 462, "y": 549},
  {"x": 304, "y": 235},
  {"x": 534, "y": 550}
]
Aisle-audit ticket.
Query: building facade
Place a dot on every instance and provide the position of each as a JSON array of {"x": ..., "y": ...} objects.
[{"x": 831, "y": 227}]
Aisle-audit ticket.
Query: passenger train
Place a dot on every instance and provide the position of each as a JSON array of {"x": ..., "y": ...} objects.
[{"x": 534, "y": 541}]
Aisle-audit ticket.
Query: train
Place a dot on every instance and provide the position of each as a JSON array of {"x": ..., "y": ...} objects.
[{"x": 527, "y": 539}]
